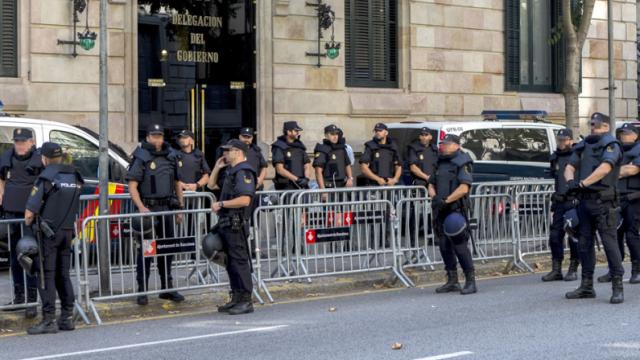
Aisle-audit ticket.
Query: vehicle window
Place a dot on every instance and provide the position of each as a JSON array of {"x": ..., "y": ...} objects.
[
  {"x": 483, "y": 144},
  {"x": 6, "y": 137},
  {"x": 526, "y": 144},
  {"x": 84, "y": 154}
]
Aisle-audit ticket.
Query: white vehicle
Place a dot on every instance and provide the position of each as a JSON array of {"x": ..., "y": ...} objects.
[
  {"x": 79, "y": 142},
  {"x": 501, "y": 149}
]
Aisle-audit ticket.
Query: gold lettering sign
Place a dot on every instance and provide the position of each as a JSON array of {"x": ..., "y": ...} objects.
[
  {"x": 156, "y": 83},
  {"x": 198, "y": 21},
  {"x": 236, "y": 85},
  {"x": 197, "y": 56}
]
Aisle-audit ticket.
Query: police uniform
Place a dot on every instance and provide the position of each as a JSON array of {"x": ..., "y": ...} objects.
[
  {"x": 19, "y": 173},
  {"x": 424, "y": 157},
  {"x": 333, "y": 160},
  {"x": 156, "y": 174},
  {"x": 233, "y": 226},
  {"x": 598, "y": 209},
  {"x": 561, "y": 203},
  {"x": 629, "y": 189},
  {"x": 451, "y": 171},
  {"x": 192, "y": 166},
  {"x": 382, "y": 158},
  {"x": 54, "y": 199},
  {"x": 254, "y": 155},
  {"x": 293, "y": 155}
]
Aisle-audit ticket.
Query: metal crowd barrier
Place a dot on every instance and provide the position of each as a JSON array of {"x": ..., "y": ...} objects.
[
  {"x": 512, "y": 187},
  {"x": 533, "y": 224},
  {"x": 175, "y": 234},
  {"x": 303, "y": 241}
]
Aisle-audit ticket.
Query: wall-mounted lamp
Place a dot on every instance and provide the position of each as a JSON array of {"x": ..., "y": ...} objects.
[
  {"x": 87, "y": 38},
  {"x": 326, "y": 18}
]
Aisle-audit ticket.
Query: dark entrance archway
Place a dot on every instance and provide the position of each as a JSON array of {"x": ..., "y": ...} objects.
[{"x": 196, "y": 68}]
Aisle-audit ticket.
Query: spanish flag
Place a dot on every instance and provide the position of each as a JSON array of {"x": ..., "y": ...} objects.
[{"x": 92, "y": 208}]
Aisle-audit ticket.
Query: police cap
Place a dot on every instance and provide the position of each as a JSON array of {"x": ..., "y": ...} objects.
[
  {"x": 380, "y": 127},
  {"x": 291, "y": 125},
  {"x": 155, "y": 129},
  {"x": 22, "y": 134},
  {"x": 565, "y": 134},
  {"x": 451, "y": 138},
  {"x": 186, "y": 133},
  {"x": 425, "y": 131},
  {"x": 51, "y": 150},
  {"x": 331, "y": 129},
  {"x": 598, "y": 117},
  {"x": 237, "y": 144},
  {"x": 246, "y": 131},
  {"x": 628, "y": 128}
]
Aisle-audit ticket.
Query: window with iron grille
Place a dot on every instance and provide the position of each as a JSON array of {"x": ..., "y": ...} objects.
[
  {"x": 531, "y": 62},
  {"x": 8, "y": 38},
  {"x": 371, "y": 46}
]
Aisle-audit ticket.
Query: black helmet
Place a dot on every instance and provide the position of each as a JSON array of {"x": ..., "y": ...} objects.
[
  {"x": 143, "y": 224},
  {"x": 212, "y": 248},
  {"x": 27, "y": 249},
  {"x": 454, "y": 227}
]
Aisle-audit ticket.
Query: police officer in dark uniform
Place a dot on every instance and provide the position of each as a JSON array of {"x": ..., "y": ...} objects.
[
  {"x": 290, "y": 159},
  {"x": 561, "y": 203},
  {"x": 154, "y": 186},
  {"x": 19, "y": 169},
  {"x": 233, "y": 210},
  {"x": 254, "y": 156},
  {"x": 593, "y": 174},
  {"x": 380, "y": 162},
  {"x": 54, "y": 201},
  {"x": 193, "y": 170},
  {"x": 332, "y": 164},
  {"x": 422, "y": 156},
  {"x": 629, "y": 189},
  {"x": 449, "y": 190}
]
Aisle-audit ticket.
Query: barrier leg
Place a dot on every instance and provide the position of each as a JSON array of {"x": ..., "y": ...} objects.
[{"x": 80, "y": 312}]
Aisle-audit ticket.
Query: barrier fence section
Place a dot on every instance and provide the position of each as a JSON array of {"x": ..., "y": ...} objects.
[
  {"x": 323, "y": 239},
  {"x": 533, "y": 224},
  {"x": 512, "y": 187},
  {"x": 168, "y": 240}
]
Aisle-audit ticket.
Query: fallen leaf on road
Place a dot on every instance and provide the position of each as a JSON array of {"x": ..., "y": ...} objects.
[
  {"x": 537, "y": 266},
  {"x": 496, "y": 273},
  {"x": 396, "y": 346},
  {"x": 167, "y": 306},
  {"x": 378, "y": 286}
]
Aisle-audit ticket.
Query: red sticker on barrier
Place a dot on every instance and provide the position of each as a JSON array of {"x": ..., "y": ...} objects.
[
  {"x": 310, "y": 236},
  {"x": 149, "y": 247}
]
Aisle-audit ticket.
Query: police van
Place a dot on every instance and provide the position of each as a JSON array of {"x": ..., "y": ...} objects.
[{"x": 507, "y": 145}]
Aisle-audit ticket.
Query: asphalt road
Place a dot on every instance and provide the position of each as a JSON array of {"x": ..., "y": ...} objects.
[{"x": 510, "y": 318}]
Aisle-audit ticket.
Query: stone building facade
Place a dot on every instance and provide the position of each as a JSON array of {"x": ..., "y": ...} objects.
[{"x": 451, "y": 64}]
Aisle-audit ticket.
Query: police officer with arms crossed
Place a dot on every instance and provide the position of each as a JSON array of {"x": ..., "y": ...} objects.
[
  {"x": 449, "y": 190},
  {"x": 289, "y": 157},
  {"x": 19, "y": 169},
  {"x": 593, "y": 174},
  {"x": 561, "y": 203},
  {"x": 332, "y": 164},
  {"x": 193, "y": 170},
  {"x": 423, "y": 156},
  {"x": 629, "y": 189},
  {"x": 233, "y": 210},
  {"x": 54, "y": 199},
  {"x": 380, "y": 162},
  {"x": 154, "y": 186}
]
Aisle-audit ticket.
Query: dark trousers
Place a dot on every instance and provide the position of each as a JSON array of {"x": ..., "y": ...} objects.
[
  {"x": 57, "y": 262},
  {"x": 16, "y": 232},
  {"x": 557, "y": 233},
  {"x": 163, "y": 230},
  {"x": 601, "y": 216},
  {"x": 450, "y": 249},
  {"x": 238, "y": 260},
  {"x": 629, "y": 229}
]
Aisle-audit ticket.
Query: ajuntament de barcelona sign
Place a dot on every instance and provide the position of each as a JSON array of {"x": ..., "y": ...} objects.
[{"x": 196, "y": 38}]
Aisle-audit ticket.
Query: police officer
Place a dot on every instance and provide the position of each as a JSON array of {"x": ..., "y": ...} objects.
[
  {"x": 422, "y": 156},
  {"x": 593, "y": 174},
  {"x": 561, "y": 203},
  {"x": 233, "y": 210},
  {"x": 347, "y": 147},
  {"x": 20, "y": 166},
  {"x": 54, "y": 200},
  {"x": 154, "y": 186},
  {"x": 254, "y": 156},
  {"x": 629, "y": 188},
  {"x": 193, "y": 170},
  {"x": 449, "y": 190},
  {"x": 289, "y": 157},
  {"x": 331, "y": 161},
  {"x": 380, "y": 162}
]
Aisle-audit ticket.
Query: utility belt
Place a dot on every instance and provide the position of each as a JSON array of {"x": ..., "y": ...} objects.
[
  {"x": 233, "y": 221},
  {"x": 329, "y": 183},
  {"x": 630, "y": 197},
  {"x": 605, "y": 195},
  {"x": 562, "y": 197},
  {"x": 170, "y": 202}
]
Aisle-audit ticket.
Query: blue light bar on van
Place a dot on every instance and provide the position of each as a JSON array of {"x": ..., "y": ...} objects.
[{"x": 539, "y": 115}]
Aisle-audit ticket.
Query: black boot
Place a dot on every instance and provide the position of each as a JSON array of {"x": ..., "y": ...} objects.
[
  {"x": 46, "y": 326},
  {"x": 172, "y": 295},
  {"x": 18, "y": 297},
  {"x": 556, "y": 271},
  {"x": 604, "y": 278},
  {"x": 142, "y": 300},
  {"x": 572, "y": 273},
  {"x": 32, "y": 297},
  {"x": 617, "y": 295},
  {"x": 452, "y": 283},
  {"x": 65, "y": 321},
  {"x": 469, "y": 283},
  {"x": 235, "y": 298},
  {"x": 244, "y": 305},
  {"x": 635, "y": 272},
  {"x": 585, "y": 291}
]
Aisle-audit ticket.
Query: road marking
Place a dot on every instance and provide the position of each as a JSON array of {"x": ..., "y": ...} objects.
[
  {"x": 633, "y": 345},
  {"x": 159, "y": 342},
  {"x": 447, "y": 356}
]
